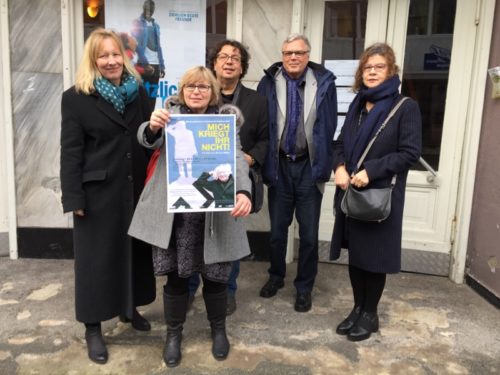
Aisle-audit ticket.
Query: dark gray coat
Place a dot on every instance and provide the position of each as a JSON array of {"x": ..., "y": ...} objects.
[
  {"x": 102, "y": 171},
  {"x": 376, "y": 247},
  {"x": 225, "y": 236}
]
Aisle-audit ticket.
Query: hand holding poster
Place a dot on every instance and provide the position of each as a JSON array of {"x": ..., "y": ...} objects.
[{"x": 201, "y": 163}]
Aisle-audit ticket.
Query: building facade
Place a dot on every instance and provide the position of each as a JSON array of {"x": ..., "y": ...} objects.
[{"x": 444, "y": 49}]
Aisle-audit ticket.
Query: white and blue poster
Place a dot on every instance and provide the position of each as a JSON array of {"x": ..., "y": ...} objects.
[
  {"x": 162, "y": 38},
  {"x": 201, "y": 168}
]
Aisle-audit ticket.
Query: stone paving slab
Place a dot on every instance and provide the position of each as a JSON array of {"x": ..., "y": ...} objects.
[{"x": 428, "y": 325}]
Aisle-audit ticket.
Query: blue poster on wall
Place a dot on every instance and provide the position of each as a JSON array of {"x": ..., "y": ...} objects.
[{"x": 162, "y": 38}]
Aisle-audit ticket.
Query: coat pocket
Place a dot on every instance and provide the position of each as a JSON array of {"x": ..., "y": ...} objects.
[{"x": 98, "y": 175}]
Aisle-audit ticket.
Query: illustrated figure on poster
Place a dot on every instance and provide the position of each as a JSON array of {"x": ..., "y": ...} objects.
[
  {"x": 220, "y": 188},
  {"x": 150, "y": 56},
  {"x": 185, "y": 148}
]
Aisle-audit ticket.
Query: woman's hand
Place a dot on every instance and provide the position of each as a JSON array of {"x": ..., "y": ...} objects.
[
  {"x": 360, "y": 179},
  {"x": 79, "y": 212},
  {"x": 243, "y": 206},
  {"x": 159, "y": 119},
  {"x": 342, "y": 177}
]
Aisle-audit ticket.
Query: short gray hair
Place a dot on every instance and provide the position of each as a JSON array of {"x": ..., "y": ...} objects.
[{"x": 295, "y": 36}]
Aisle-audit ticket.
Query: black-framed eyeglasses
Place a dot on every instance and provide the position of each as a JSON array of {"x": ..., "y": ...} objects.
[
  {"x": 299, "y": 54},
  {"x": 378, "y": 68},
  {"x": 201, "y": 88},
  {"x": 225, "y": 57}
]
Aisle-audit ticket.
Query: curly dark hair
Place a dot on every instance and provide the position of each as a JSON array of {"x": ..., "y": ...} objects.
[{"x": 245, "y": 55}]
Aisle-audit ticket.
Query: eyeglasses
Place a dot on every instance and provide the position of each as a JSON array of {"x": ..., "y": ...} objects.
[
  {"x": 298, "y": 54},
  {"x": 201, "y": 88},
  {"x": 225, "y": 57},
  {"x": 378, "y": 68}
]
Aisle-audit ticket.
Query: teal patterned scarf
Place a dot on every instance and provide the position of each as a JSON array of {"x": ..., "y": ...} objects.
[{"x": 118, "y": 96}]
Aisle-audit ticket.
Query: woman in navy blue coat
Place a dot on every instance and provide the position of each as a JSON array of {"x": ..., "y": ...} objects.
[{"x": 374, "y": 247}]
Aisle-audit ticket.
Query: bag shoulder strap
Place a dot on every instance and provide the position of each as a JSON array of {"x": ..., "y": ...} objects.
[{"x": 389, "y": 116}]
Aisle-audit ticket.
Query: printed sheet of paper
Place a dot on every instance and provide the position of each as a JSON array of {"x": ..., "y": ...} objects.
[{"x": 201, "y": 163}]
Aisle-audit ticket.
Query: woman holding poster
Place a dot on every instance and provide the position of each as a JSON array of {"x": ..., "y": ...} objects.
[
  {"x": 103, "y": 169},
  {"x": 186, "y": 243}
]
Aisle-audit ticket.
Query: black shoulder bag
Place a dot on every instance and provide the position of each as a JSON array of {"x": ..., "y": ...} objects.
[{"x": 370, "y": 204}]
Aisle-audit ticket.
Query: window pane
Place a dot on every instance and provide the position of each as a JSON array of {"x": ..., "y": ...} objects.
[
  {"x": 344, "y": 29},
  {"x": 216, "y": 22},
  {"x": 442, "y": 20},
  {"x": 93, "y": 16},
  {"x": 426, "y": 70},
  {"x": 418, "y": 17}
]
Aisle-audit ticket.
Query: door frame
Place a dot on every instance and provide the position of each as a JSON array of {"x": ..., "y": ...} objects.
[{"x": 471, "y": 43}]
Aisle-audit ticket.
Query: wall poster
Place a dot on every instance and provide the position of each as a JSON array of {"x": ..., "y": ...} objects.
[{"x": 163, "y": 38}]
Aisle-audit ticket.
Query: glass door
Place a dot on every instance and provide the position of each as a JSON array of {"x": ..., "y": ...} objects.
[{"x": 435, "y": 71}]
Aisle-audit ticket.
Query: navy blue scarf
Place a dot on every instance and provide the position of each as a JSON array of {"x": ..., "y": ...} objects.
[
  {"x": 294, "y": 110},
  {"x": 383, "y": 96}
]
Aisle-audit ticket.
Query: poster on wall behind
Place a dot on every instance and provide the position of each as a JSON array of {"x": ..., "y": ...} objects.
[
  {"x": 162, "y": 38},
  {"x": 201, "y": 168}
]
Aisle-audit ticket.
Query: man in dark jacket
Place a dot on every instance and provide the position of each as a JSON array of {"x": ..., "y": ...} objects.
[
  {"x": 229, "y": 61},
  {"x": 302, "y": 107}
]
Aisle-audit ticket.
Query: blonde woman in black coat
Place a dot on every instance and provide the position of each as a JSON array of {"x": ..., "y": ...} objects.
[
  {"x": 374, "y": 247},
  {"x": 103, "y": 170}
]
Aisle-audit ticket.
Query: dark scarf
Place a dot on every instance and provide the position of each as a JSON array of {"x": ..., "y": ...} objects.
[
  {"x": 211, "y": 110},
  {"x": 294, "y": 107},
  {"x": 118, "y": 96},
  {"x": 383, "y": 96}
]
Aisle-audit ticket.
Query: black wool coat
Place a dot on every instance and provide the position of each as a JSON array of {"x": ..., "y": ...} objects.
[
  {"x": 103, "y": 169},
  {"x": 373, "y": 246},
  {"x": 254, "y": 134}
]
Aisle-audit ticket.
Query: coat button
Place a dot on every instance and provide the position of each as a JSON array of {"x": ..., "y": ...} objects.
[
  {"x": 129, "y": 155},
  {"x": 130, "y": 178}
]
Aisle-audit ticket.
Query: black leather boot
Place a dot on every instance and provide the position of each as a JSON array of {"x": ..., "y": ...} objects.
[
  {"x": 174, "y": 308},
  {"x": 95, "y": 343},
  {"x": 216, "y": 313},
  {"x": 366, "y": 324},
  {"x": 345, "y": 326},
  {"x": 139, "y": 323}
]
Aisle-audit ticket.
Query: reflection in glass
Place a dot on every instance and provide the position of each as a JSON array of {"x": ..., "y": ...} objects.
[
  {"x": 344, "y": 29},
  {"x": 426, "y": 68}
]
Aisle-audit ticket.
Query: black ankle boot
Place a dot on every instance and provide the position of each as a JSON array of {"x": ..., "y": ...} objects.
[
  {"x": 364, "y": 327},
  {"x": 138, "y": 321},
  {"x": 172, "y": 350},
  {"x": 220, "y": 343},
  {"x": 216, "y": 313},
  {"x": 175, "y": 307},
  {"x": 345, "y": 326},
  {"x": 95, "y": 343}
]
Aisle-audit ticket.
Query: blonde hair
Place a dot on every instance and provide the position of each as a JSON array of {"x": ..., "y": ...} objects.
[
  {"x": 87, "y": 71},
  {"x": 195, "y": 74}
]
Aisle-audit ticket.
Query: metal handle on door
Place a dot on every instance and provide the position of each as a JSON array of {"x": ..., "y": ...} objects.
[{"x": 433, "y": 177}]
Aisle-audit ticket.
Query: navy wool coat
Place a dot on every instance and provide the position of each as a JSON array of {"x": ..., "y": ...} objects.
[
  {"x": 373, "y": 246},
  {"x": 103, "y": 169}
]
